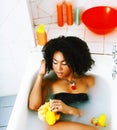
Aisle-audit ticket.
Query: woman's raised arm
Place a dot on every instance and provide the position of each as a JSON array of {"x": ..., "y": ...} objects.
[{"x": 36, "y": 98}]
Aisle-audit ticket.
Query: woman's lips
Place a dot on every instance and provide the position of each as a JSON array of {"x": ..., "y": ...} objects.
[{"x": 59, "y": 73}]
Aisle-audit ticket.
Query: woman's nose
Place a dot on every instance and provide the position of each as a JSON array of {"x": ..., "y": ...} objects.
[{"x": 59, "y": 67}]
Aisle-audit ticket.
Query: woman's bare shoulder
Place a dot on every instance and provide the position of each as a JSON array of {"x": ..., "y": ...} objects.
[{"x": 90, "y": 79}]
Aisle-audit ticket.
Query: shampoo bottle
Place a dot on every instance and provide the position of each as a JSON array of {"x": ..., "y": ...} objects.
[
  {"x": 69, "y": 12},
  {"x": 77, "y": 13},
  {"x": 60, "y": 13},
  {"x": 41, "y": 35}
]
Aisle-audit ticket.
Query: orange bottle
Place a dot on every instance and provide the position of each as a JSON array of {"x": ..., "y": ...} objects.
[
  {"x": 60, "y": 14},
  {"x": 41, "y": 35},
  {"x": 69, "y": 13}
]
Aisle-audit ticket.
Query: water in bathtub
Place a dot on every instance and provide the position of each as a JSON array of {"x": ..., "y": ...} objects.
[{"x": 99, "y": 103}]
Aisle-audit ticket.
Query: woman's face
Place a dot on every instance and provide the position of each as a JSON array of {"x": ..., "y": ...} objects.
[{"x": 60, "y": 65}]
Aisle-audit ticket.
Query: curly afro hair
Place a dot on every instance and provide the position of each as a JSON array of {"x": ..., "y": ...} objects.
[{"x": 75, "y": 52}]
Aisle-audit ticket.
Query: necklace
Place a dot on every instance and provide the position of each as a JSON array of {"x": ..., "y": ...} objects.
[{"x": 71, "y": 83}]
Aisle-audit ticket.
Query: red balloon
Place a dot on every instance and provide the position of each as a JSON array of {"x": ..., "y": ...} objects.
[{"x": 100, "y": 19}]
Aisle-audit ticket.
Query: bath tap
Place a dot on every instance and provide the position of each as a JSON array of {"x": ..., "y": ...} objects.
[
  {"x": 114, "y": 53},
  {"x": 114, "y": 73},
  {"x": 115, "y": 61}
]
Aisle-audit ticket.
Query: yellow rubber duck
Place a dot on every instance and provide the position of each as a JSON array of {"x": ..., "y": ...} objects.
[
  {"x": 52, "y": 117},
  {"x": 101, "y": 121},
  {"x": 45, "y": 114}
]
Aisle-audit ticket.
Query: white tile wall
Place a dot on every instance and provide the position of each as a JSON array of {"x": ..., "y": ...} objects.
[
  {"x": 98, "y": 44},
  {"x": 16, "y": 35},
  {"x": 47, "y": 10}
]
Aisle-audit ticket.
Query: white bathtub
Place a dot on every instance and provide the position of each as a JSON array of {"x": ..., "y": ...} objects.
[{"x": 104, "y": 95}]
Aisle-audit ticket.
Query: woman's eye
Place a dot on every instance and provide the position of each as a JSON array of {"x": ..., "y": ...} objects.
[
  {"x": 54, "y": 62},
  {"x": 64, "y": 63}
]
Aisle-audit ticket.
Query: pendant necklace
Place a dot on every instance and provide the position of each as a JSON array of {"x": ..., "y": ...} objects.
[{"x": 71, "y": 83}]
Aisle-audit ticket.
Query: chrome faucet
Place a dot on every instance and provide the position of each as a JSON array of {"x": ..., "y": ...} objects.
[
  {"x": 114, "y": 73},
  {"x": 114, "y": 53}
]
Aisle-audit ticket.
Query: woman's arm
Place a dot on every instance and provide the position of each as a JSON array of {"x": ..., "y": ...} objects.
[{"x": 36, "y": 98}]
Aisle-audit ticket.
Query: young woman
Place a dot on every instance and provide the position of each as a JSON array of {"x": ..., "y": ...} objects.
[{"x": 69, "y": 58}]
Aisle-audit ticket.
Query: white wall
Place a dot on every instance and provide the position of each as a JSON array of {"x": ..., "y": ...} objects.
[
  {"x": 16, "y": 40},
  {"x": 45, "y": 11}
]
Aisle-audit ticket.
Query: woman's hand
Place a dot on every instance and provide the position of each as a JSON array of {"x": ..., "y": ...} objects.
[
  {"x": 60, "y": 106},
  {"x": 42, "y": 70}
]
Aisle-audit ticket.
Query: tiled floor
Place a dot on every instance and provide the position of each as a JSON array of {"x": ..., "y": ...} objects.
[{"x": 6, "y": 105}]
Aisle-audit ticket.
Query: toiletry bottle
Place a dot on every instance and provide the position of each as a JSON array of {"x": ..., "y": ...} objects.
[
  {"x": 41, "y": 35},
  {"x": 69, "y": 12},
  {"x": 77, "y": 16},
  {"x": 60, "y": 13}
]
